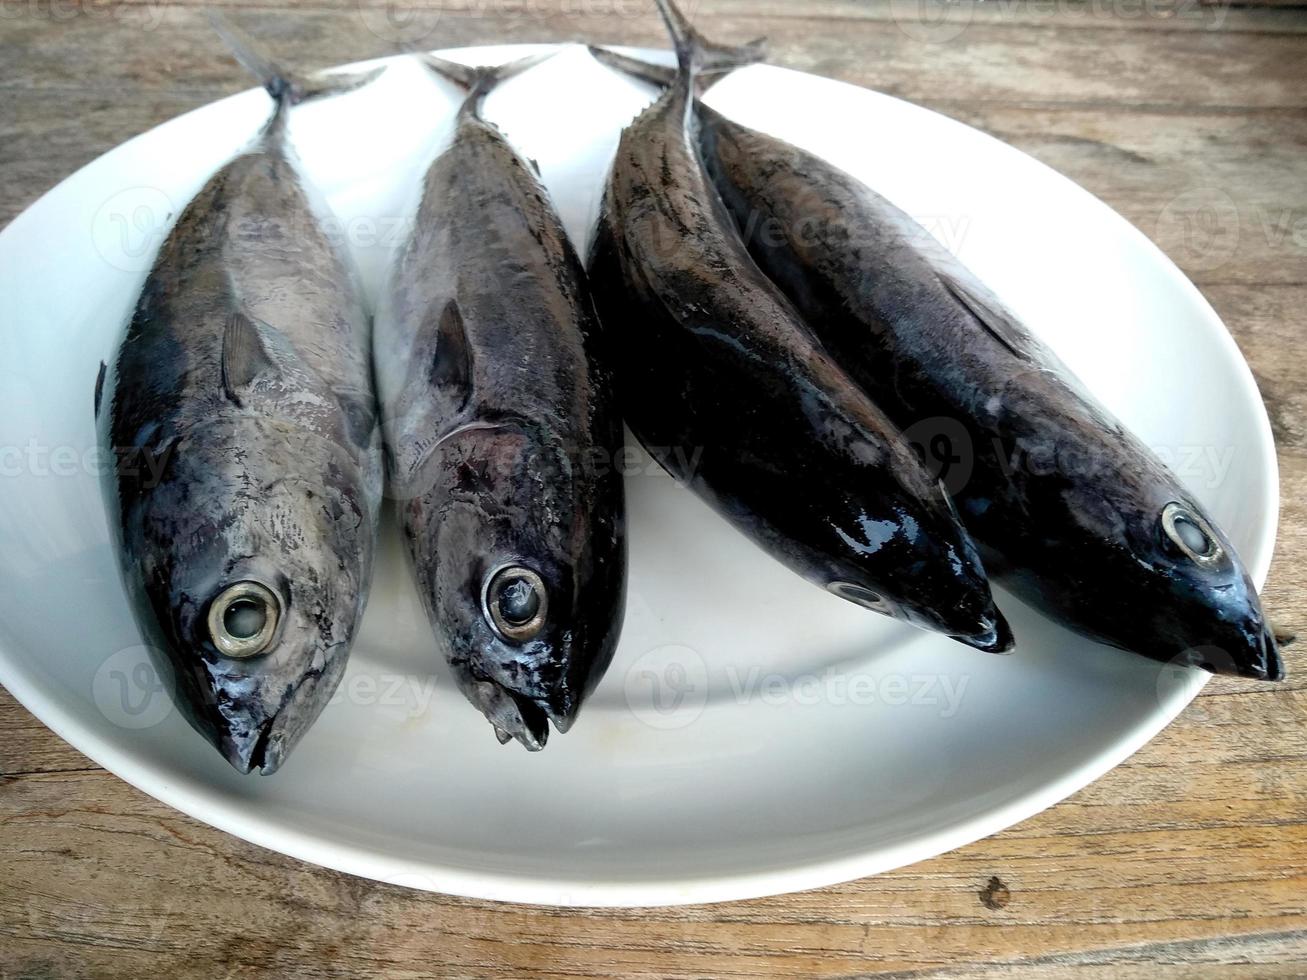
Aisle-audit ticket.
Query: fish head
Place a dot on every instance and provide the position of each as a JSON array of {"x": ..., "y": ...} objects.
[
  {"x": 527, "y": 579},
  {"x": 257, "y": 573},
  {"x": 1214, "y": 609},
  {"x": 1178, "y": 577}
]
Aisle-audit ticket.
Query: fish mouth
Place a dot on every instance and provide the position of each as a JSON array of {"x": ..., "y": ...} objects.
[
  {"x": 262, "y": 749},
  {"x": 993, "y": 636},
  {"x": 1267, "y": 664},
  {"x": 1256, "y": 655},
  {"x": 512, "y": 715},
  {"x": 1272, "y": 659},
  {"x": 262, "y": 746}
]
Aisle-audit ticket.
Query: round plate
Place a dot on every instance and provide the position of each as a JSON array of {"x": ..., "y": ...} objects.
[{"x": 754, "y": 734}]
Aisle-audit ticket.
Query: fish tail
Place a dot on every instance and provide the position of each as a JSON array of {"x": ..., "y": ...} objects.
[
  {"x": 479, "y": 82},
  {"x": 697, "y": 55},
  {"x": 286, "y": 88},
  {"x": 664, "y": 76}
]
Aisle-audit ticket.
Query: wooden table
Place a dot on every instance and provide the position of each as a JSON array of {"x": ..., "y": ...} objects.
[{"x": 1188, "y": 860}]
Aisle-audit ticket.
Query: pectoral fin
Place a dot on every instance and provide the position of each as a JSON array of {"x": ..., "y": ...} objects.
[
  {"x": 990, "y": 314},
  {"x": 245, "y": 358},
  {"x": 451, "y": 367}
]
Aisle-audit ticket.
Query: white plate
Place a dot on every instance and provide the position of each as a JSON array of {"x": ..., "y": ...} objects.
[{"x": 754, "y": 734}]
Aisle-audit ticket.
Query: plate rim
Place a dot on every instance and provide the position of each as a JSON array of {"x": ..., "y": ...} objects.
[{"x": 350, "y": 858}]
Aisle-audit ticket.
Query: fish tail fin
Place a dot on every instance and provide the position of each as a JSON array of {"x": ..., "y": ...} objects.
[
  {"x": 664, "y": 76},
  {"x": 645, "y": 71},
  {"x": 480, "y": 81},
  {"x": 286, "y": 88},
  {"x": 696, "y": 54}
]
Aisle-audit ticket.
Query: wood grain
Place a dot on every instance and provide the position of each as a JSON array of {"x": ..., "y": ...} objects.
[{"x": 1190, "y": 860}]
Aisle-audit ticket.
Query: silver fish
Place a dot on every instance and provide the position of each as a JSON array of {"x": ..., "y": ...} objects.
[
  {"x": 241, "y": 410},
  {"x": 501, "y": 432}
]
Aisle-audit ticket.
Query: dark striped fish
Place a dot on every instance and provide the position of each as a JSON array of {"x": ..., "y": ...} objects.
[
  {"x": 717, "y": 367},
  {"x": 501, "y": 432},
  {"x": 1070, "y": 509},
  {"x": 240, "y": 406}
]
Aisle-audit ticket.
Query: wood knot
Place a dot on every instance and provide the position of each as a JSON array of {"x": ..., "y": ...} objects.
[{"x": 995, "y": 895}]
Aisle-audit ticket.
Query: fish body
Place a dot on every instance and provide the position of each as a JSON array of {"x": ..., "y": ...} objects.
[
  {"x": 502, "y": 433},
  {"x": 240, "y": 409},
  {"x": 1069, "y": 508},
  {"x": 723, "y": 383}
]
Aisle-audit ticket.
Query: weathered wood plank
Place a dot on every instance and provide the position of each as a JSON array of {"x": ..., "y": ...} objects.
[
  {"x": 172, "y": 897},
  {"x": 172, "y": 49},
  {"x": 27, "y": 746},
  {"x": 941, "y": 17}
]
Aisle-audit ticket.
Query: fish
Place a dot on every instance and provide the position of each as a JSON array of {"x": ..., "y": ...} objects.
[
  {"x": 502, "y": 431},
  {"x": 724, "y": 384},
  {"x": 1069, "y": 509},
  {"x": 240, "y": 413}
]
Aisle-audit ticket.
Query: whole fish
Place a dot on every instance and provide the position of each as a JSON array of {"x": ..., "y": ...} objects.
[
  {"x": 241, "y": 411},
  {"x": 501, "y": 432},
  {"x": 725, "y": 385},
  {"x": 1087, "y": 524}
]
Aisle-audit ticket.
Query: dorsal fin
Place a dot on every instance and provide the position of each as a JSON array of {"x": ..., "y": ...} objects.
[
  {"x": 99, "y": 387},
  {"x": 451, "y": 366},
  {"x": 245, "y": 357},
  {"x": 990, "y": 314}
]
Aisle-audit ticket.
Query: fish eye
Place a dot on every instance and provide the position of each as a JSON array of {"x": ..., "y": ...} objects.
[
  {"x": 1191, "y": 534},
  {"x": 862, "y": 596},
  {"x": 515, "y": 602},
  {"x": 243, "y": 619}
]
